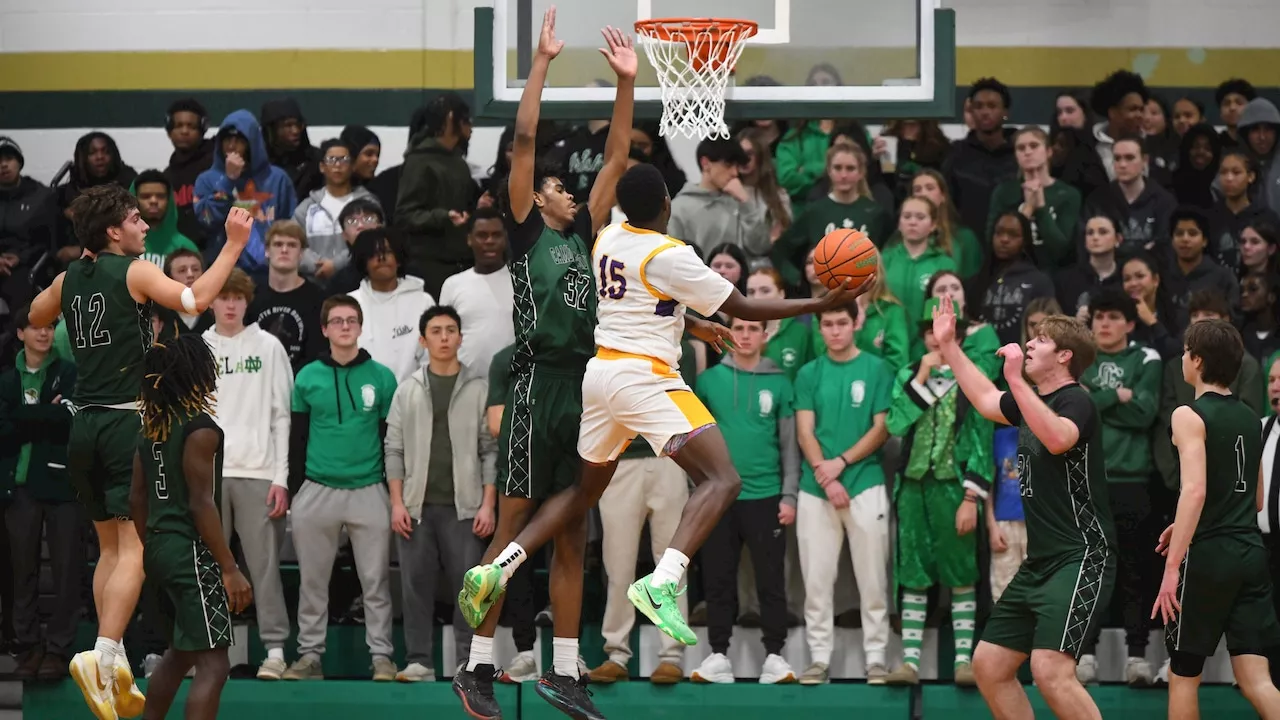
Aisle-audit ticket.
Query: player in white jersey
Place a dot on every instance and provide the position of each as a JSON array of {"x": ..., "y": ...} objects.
[{"x": 644, "y": 281}]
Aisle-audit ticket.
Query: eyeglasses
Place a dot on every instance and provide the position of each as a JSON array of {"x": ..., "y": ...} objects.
[
  {"x": 348, "y": 321},
  {"x": 362, "y": 220},
  {"x": 342, "y": 160}
]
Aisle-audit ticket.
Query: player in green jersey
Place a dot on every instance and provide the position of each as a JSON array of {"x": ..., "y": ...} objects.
[
  {"x": 106, "y": 298},
  {"x": 1216, "y": 577},
  {"x": 1050, "y": 607},
  {"x": 174, "y": 496},
  {"x": 555, "y": 306}
]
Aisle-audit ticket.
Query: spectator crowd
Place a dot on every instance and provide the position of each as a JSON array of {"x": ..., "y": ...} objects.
[{"x": 366, "y": 297}]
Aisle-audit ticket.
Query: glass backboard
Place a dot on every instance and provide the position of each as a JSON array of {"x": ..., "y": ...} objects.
[{"x": 842, "y": 58}]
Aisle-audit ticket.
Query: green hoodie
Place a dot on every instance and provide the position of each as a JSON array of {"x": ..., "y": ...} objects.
[
  {"x": 792, "y": 346},
  {"x": 801, "y": 159},
  {"x": 754, "y": 410},
  {"x": 965, "y": 250},
  {"x": 885, "y": 333},
  {"x": 1126, "y": 426},
  {"x": 338, "y": 415},
  {"x": 34, "y": 428},
  {"x": 819, "y": 218},
  {"x": 1053, "y": 227},
  {"x": 907, "y": 277},
  {"x": 164, "y": 238}
]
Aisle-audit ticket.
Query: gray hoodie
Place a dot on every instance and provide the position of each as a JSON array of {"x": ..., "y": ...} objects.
[
  {"x": 324, "y": 235},
  {"x": 707, "y": 218},
  {"x": 408, "y": 444},
  {"x": 1261, "y": 111}
]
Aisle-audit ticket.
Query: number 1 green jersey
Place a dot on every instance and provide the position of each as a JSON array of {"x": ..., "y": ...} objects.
[
  {"x": 1232, "y": 451},
  {"x": 108, "y": 330}
]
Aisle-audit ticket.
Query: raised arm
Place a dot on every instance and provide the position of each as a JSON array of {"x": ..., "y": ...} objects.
[
  {"x": 524, "y": 146},
  {"x": 46, "y": 306},
  {"x": 617, "y": 146},
  {"x": 148, "y": 282},
  {"x": 1058, "y": 434},
  {"x": 982, "y": 393}
]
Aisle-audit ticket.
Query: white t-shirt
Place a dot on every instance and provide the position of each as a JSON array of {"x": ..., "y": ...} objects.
[
  {"x": 484, "y": 304},
  {"x": 645, "y": 280}
]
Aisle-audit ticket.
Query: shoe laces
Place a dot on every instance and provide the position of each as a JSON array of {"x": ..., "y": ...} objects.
[
  {"x": 583, "y": 682},
  {"x": 672, "y": 590}
]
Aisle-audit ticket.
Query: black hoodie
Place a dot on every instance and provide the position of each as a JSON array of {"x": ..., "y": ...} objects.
[
  {"x": 28, "y": 220},
  {"x": 80, "y": 179},
  {"x": 973, "y": 171},
  {"x": 1002, "y": 290},
  {"x": 1192, "y": 186},
  {"x": 184, "y": 167},
  {"x": 1225, "y": 228},
  {"x": 1145, "y": 224},
  {"x": 301, "y": 163}
]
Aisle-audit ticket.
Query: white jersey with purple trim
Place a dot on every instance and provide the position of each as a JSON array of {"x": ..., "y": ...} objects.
[{"x": 645, "y": 280}]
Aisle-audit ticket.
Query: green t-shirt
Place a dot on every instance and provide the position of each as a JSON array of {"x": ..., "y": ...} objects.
[
  {"x": 440, "y": 458},
  {"x": 747, "y": 407},
  {"x": 844, "y": 397},
  {"x": 791, "y": 347},
  {"x": 347, "y": 405}
]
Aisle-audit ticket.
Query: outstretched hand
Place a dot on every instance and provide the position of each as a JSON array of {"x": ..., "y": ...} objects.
[
  {"x": 619, "y": 52},
  {"x": 716, "y": 336},
  {"x": 548, "y": 46},
  {"x": 944, "y": 321},
  {"x": 846, "y": 292}
]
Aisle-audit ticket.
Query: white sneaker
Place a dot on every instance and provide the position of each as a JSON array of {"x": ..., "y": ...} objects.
[
  {"x": 776, "y": 671},
  {"x": 1137, "y": 672},
  {"x": 272, "y": 669},
  {"x": 98, "y": 691},
  {"x": 1162, "y": 675},
  {"x": 523, "y": 668},
  {"x": 715, "y": 669},
  {"x": 416, "y": 672},
  {"x": 1087, "y": 669}
]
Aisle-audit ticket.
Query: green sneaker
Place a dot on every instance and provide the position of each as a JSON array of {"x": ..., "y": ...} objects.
[
  {"x": 481, "y": 588},
  {"x": 659, "y": 605}
]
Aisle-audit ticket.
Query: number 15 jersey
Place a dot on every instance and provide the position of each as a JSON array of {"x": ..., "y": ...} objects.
[{"x": 644, "y": 281}]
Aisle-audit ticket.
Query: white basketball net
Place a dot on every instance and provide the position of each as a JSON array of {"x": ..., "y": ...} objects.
[{"x": 694, "y": 62}]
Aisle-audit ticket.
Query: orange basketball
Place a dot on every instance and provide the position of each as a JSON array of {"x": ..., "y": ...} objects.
[{"x": 845, "y": 255}]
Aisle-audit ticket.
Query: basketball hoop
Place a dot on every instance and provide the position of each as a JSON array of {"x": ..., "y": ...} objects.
[{"x": 694, "y": 58}]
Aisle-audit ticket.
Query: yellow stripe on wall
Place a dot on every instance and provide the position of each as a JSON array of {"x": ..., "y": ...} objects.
[{"x": 441, "y": 69}]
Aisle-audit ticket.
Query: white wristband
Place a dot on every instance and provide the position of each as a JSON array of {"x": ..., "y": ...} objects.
[{"x": 188, "y": 301}]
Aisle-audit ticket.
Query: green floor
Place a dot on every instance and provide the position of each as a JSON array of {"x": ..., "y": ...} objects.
[{"x": 344, "y": 700}]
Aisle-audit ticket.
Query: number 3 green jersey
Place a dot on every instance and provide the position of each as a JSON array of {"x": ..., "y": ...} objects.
[
  {"x": 168, "y": 495},
  {"x": 108, "y": 330},
  {"x": 555, "y": 299}
]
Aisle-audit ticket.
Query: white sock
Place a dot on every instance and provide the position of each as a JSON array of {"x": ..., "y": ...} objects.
[
  {"x": 105, "y": 649},
  {"x": 510, "y": 560},
  {"x": 670, "y": 568},
  {"x": 275, "y": 653},
  {"x": 564, "y": 656},
  {"x": 481, "y": 652}
]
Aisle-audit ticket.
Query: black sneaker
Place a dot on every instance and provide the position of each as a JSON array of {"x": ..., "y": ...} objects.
[
  {"x": 568, "y": 695},
  {"x": 475, "y": 689}
]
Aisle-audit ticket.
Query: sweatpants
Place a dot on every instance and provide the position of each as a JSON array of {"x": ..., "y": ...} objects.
[
  {"x": 644, "y": 489},
  {"x": 439, "y": 542},
  {"x": 753, "y": 523},
  {"x": 244, "y": 509},
  {"x": 319, "y": 515},
  {"x": 1137, "y": 569},
  {"x": 62, "y": 526},
  {"x": 820, "y": 532}
]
